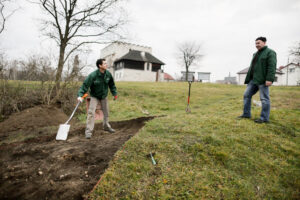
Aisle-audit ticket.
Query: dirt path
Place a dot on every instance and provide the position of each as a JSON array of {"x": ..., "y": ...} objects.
[{"x": 42, "y": 168}]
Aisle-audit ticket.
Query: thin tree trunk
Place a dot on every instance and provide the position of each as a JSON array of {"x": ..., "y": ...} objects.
[
  {"x": 60, "y": 67},
  {"x": 187, "y": 74}
]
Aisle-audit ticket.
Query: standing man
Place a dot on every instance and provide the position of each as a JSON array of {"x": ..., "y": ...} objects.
[
  {"x": 98, "y": 83},
  {"x": 260, "y": 77}
]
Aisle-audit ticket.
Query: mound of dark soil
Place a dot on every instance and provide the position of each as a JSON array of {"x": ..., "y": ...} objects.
[
  {"x": 43, "y": 168},
  {"x": 31, "y": 118}
]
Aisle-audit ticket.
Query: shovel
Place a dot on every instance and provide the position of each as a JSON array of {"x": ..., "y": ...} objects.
[{"x": 63, "y": 130}]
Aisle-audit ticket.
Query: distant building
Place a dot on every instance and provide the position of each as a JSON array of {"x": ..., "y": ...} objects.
[
  {"x": 291, "y": 74},
  {"x": 242, "y": 76},
  {"x": 168, "y": 77},
  {"x": 131, "y": 62},
  {"x": 204, "y": 76},
  {"x": 230, "y": 80}
]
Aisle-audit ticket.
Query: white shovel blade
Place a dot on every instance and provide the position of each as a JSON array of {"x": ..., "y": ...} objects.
[{"x": 63, "y": 131}]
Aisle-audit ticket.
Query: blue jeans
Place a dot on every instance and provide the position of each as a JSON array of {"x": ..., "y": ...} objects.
[{"x": 264, "y": 98}]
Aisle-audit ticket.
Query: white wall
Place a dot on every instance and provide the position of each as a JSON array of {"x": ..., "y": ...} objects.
[
  {"x": 291, "y": 75},
  {"x": 279, "y": 79},
  {"x": 119, "y": 49},
  {"x": 116, "y": 50},
  {"x": 241, "y": 79},
  {"x": 136, "y": 75}
]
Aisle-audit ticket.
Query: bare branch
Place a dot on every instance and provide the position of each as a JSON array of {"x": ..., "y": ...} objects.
[
  {"x": 295, "y": 52},
  {"x": 189, "y": 54},
  {"x": 77, "y": 46},
  {"x": 73, "y": 22},
  {"x": 3, "y": 17}
]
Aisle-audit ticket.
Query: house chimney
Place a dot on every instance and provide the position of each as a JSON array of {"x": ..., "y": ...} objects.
[{"x": 143, "y": 55}]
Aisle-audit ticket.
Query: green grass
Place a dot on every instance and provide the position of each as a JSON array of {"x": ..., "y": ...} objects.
[{"x": 205, "y": 154}]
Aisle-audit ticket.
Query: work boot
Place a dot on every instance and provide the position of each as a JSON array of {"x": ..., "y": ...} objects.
[
  {"x": 259, "y": 121},
  {"x": 88, "y": 136},
  {"x": 243, "y": 117},
  {"x": 109, "y": 129}
]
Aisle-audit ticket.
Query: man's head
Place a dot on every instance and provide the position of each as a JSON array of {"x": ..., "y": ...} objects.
[
  {"x": 101, "y": 64},
  {"x": 260, "y": 42}
]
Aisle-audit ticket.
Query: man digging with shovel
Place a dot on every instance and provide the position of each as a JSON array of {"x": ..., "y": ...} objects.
[{"x": 98, "y": 83}]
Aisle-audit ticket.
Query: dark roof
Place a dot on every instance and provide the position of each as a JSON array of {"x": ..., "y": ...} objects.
[
  {"x": 245, "y": 71},
  {"x": 140, "y": 56}
]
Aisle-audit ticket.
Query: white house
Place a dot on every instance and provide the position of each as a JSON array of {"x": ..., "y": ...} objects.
[
  {"x": 131, "y": 62},
  {"x": 291, "y": 74},
  {"x": 242, "y": 76},
  {"x": 204, "y": 76}
]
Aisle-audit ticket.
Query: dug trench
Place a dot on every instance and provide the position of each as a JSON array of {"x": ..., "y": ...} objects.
[{"x": 40, "y": 167}]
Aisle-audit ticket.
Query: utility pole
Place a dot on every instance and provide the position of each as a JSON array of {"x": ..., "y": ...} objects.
[{"x": 287, "y": 71}]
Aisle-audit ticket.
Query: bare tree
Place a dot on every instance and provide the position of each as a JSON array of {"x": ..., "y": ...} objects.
[
  {"x": 295, "y": 52},
  {"x": 189, "y": 55},
  {"x": 3, "y": 64},
  {"x": 75, "y": 23}
]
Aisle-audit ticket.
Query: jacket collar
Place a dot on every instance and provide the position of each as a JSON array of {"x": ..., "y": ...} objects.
[
  {"x": 262, "y": 49},
  {"x": 100, "y": 74}
]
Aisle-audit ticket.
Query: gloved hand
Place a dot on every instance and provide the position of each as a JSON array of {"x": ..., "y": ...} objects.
[
  {"x": 80, "y": 99},
  {"x": 115, "y": 97}
]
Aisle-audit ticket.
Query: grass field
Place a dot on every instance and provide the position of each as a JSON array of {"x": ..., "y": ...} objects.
[{"x": 208, "y": 153}]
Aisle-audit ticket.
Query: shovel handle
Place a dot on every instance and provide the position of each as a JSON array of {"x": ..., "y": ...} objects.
[{"x": 85, "y": 95}]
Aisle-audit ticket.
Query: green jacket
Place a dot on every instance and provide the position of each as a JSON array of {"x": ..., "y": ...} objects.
[
  {"x": 264, "y": 67},
  {"x": 98, "y": 84}
]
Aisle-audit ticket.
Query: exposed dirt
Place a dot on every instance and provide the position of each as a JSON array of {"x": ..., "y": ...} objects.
[
  {"x": 43, "y": 168},
  {"x": 39, "y": 116}
]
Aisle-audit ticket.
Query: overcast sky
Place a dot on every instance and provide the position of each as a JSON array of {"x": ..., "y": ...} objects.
[{"x": 225, "y": 28}]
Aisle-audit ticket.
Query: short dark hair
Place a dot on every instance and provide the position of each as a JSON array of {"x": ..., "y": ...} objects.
[
  {"x": 99, "y": 62},
  {"x": 262, "y": 39}
]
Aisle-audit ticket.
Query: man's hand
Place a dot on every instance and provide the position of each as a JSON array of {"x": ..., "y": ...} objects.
[
  {"x": 115, "y": 97},
  {"x": 268, "y": 83},
  {"x": 80, "y": 99}
]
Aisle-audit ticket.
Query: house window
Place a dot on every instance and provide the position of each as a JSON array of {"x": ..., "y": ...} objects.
[
  {"x": 276, "y": 79},
  {"x": 292, "y": 70},
  {"x": 136, "y": 65}
]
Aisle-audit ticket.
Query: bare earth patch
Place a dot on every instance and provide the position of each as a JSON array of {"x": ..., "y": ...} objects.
[{"x": 43, "y": 168}]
